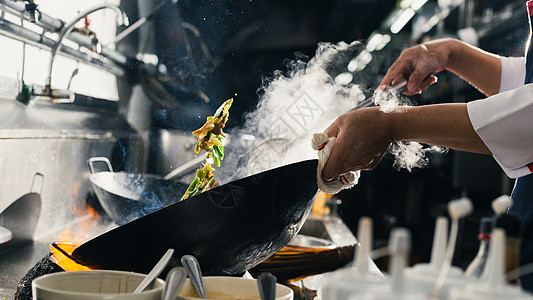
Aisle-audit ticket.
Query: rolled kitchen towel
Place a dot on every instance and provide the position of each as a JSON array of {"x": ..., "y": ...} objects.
[{"x": 324, "y": 145}]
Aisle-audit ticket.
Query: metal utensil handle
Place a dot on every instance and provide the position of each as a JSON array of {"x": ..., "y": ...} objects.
[
  {"x": 192, "y": 266},
  {"x": 156, "y": 270},
  {"x": 398, "y": 87},
  {"x": 105, "y": 160},
  {"x": 33, "y": 182},
  {"x": 185, "y": 168},
  {"x": 173, "y": 283},
  {"x": 267, "y": 286}
]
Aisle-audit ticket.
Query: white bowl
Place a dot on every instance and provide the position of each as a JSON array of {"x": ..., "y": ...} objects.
[
  {"x": 96, "y": 284},
  {"x": 222, "y": 287}
]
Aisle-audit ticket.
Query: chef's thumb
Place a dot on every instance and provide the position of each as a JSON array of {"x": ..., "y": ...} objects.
[
  {"x": 328, "y": 172},
  {"x": 333, "y": 166}
]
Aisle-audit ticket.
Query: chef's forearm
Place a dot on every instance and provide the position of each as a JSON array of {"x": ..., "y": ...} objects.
[
  {"x": 480, "y": 68},
  {"x": 446, "y": 125}
]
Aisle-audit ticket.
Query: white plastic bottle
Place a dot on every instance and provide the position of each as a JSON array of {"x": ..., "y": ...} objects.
[
  {"x": 436, "y": 278},
  {"x": 340, "y": 284},
  {"x": 424, "y": 276},
  {"x": 475, "y": 268},
  {"x": 491, "y": 285},
  {"x": 396, "y": 288}
]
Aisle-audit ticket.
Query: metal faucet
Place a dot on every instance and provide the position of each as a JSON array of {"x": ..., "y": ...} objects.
[
  {"x": 122, "y": 19},
  {"x": 31, "y": 8}
]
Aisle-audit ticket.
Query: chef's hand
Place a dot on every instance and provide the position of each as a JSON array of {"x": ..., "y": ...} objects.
[
  {"x": 418, "y": 65},
  {"x": 363, "y": 137}
]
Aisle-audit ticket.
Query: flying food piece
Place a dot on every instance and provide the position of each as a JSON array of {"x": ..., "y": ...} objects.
[
  {"x": 210, "y": 137},
  {"x": 205, "y": 180}
]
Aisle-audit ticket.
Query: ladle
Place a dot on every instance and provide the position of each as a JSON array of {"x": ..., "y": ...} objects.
[
  {"x": 267, "y": 286},
  {"x": 174, "y": 281},
  {"x": 156, "y": 270},
  {"x": 190, "y": 263}
]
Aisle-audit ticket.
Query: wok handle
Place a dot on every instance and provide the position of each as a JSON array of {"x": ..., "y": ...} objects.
[
  {"x": 33, "y": 182},
  {"x": 105, "y": 160}
]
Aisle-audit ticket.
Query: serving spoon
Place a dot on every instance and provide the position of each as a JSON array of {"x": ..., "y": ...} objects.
[
  {"x": 174, "y": 281},
  {"x": 190, "y": 263},
  {"x": 267, "y": 286},
  {"x": 156, "y": 270}
]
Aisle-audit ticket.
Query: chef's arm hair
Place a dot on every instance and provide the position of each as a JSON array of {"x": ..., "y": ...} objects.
[
  {"x": 446, "y": 125},
  {"x": 478, "y": 67}
]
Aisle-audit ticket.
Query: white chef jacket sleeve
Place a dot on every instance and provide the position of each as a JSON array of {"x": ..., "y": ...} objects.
[
  {"x": 505, "y": 124},
  {"x": 513, "y": 73}
]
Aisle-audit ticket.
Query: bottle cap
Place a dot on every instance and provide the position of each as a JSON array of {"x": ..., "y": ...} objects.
[
  {"x": 460, "y": 208},
  {"x": 485, "y": 226},
  {"x": 501, "y": 204}
]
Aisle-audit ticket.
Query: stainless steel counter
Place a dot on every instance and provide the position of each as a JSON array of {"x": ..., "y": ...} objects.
[{"x": 15, "y": 264}]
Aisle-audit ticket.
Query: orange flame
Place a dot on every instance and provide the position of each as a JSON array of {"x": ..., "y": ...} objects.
[
  {"x": 64, "y": 261},
  {"x": 319, "y": 205},
  {"x": 73, "y": 236}
]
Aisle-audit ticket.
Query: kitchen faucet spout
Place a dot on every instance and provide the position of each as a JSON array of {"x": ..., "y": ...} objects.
[{"x": 122, "y": 19}]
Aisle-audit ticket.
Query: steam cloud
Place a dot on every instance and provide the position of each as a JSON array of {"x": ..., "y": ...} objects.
[
  {"x": 407, "y": 155},
  {"x": 294, "y": 105},
  {"x": 411, "y": 155}
]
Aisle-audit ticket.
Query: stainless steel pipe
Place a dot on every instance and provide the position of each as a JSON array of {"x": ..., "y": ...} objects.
[{"x": 25, "y": 35}]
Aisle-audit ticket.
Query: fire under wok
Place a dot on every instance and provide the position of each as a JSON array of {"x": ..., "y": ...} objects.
[{"x": 229, "y": 229}]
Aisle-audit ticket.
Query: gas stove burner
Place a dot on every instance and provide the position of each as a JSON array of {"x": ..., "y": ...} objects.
[
  {"x": 42, "y": 267},
  {"x": 59, "y": 260}
]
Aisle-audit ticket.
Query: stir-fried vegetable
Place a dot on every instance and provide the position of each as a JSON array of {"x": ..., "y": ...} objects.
[
  {"x": 210, "y": 137},
  {"x": 205, "y": 180}
]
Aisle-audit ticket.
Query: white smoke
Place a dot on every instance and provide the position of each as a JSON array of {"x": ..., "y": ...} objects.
[
  {"x": 389, "y": 100},
  {"x": 303, "y": 101},
  {"x": 292, "y": 106},
  {"x": 407, "y": 155}
]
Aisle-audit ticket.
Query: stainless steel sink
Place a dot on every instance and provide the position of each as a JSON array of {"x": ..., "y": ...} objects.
[
  {"x": 315, "y": 227},
  {"x": 330, "y": 228}
]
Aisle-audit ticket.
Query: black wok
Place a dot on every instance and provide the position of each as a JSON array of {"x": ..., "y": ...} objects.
[
  {"x": 230, "y": 229},
  {"x": 128, "y": 196}
]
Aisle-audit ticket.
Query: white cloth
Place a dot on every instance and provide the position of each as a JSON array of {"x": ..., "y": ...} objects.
[
  {"x": 324, "y": 145},
  {"x": 504, "y": 121}
]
